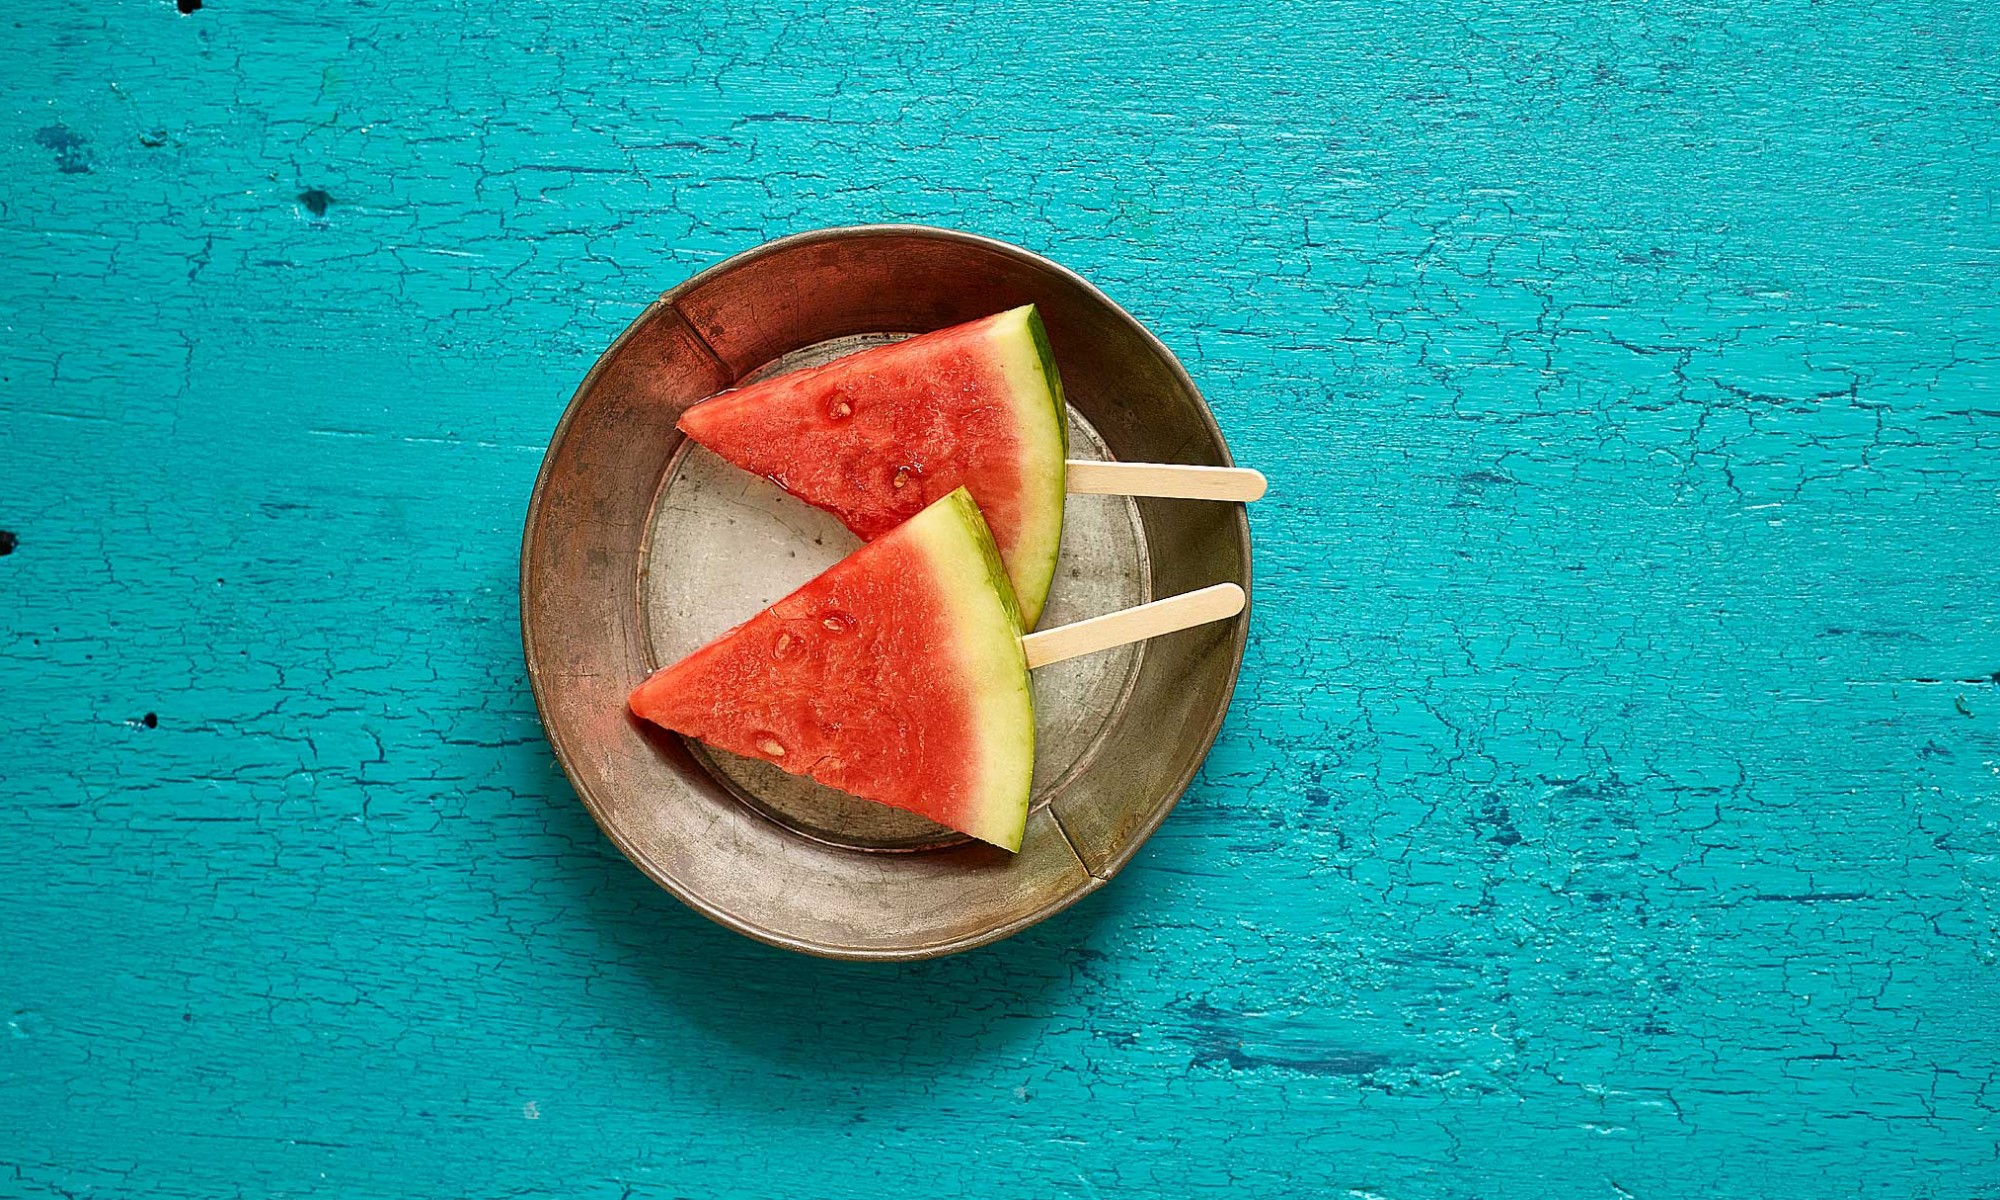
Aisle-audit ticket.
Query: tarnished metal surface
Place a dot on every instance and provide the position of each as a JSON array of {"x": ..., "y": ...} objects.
[{"x": 639, "y": 547}]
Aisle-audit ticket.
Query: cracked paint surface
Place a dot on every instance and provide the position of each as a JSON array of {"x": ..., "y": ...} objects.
[{"x": 1611, "y": 804}]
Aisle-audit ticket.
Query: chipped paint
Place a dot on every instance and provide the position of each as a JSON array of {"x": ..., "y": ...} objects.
[{"x": 1611, "y": 806}]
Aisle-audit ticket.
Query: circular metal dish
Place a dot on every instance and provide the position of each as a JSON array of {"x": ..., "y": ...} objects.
[{"x": 640, "y": 546}]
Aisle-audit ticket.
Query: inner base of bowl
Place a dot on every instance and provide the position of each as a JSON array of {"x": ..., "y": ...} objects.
[{"x": 722, "y": 544}]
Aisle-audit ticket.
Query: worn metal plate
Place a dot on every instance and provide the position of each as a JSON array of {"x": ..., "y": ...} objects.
[{"x": 641, "y": 546}]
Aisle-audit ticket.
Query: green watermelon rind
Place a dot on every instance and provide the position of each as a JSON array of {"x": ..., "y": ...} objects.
[
  {"x": 996, "y": 568},
  {"x": 1040, "y": 410},
  {"x": 987, "y": 619},
  {"x": 1046, "y": 353}
]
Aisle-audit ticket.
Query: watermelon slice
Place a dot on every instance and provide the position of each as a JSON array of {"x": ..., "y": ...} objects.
[
  {"x": 897, "y": 676},
  {"x": 875, "y": 437}
]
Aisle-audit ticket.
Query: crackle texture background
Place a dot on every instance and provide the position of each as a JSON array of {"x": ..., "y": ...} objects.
[{"x": 1611, "y": 805}]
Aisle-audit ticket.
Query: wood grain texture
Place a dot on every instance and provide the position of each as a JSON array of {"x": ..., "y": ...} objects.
[
  {"x": 1217, "y": 602},
  {"x": 1175, "y": 480},
  {"x": 1611, "y": 806}
]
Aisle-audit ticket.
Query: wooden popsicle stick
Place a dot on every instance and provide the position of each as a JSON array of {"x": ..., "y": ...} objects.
[
  {"x": 1169, "y": 480},
  {"x": 1175, "y": 613}
]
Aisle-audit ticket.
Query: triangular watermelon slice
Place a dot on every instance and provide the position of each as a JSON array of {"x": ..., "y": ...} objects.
[
  {"x": 876, "y": 436},
  {"x": 897, "y": 675}
]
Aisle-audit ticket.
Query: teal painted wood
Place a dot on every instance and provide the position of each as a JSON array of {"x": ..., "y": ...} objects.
[{"x": 1610, "y": 806}]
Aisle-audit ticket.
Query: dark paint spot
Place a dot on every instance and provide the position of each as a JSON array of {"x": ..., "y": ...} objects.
[
  {"x": 71, "y": 157},
  {"x": 1484, "y": 477},
  {"x": 1585, "y": 789},
  {"x": 187, "y": 1016},
  {"x": 1933, "y": 750},
  {"x": 150, "y": 720},
  {"x": 1316, "y": 797},
  {"x": 316, "y": 201},
  {"x": 8, "y": 540},
  {"x": 1218, "y": 1040},
  {"x": 1498, "y": 823},
  {"x": 153, "y": 140},
  {"x": 1961, "y": 706},
  {"x": 187, "y": 6}
]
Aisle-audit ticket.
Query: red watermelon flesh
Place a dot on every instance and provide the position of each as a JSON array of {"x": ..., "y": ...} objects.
[
  {"x": 876, "y": 436},
  {"x": 897, "y": 675}
]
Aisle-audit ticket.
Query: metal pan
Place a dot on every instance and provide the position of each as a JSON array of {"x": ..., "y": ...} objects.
[{"x": 640, "y": 546}]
